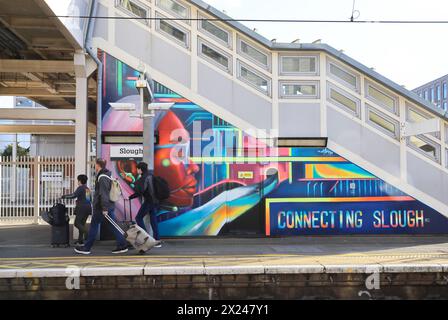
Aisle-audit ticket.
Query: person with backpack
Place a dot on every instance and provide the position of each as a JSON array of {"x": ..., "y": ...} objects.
[
  {"x": 103, "y": 204},
  {"x": 83, "y": 208},
  {"x": 144, "y": 188}
]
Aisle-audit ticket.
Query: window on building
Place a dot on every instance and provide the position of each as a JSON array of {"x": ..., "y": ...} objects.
[
  {"x": 381, "y": 98},
  {"x": 444, "y": 90},
  {"x": 425, "y": 94},
  {"x": 298, "y": 90},
  {"x": 254, "y": 54},
  {"x": 344, "y": 76},
  {"x": 213, "y": 54},
  {"x": 22, "y": 102},
  {"x": 445, "y": 106},
  {"x": 415, "y": 116},
  {"x": 445, "y": 126},
  {"x": 173, "y": 31},
  {"x": 344, "y": 100},
  {"x": 431, "y": 95},
  {"x": 135, "y": 8},
  {"x": 255, "y": 79},
  {"x": 437, "y": 93},
  {"x": 217, "y": 32},
  {"x": 174, "y": 7},
  {"x": 382, "y": 122},
  {"x": 425, "y": 146},
  {"x": 298, "y": 65},
  {"x": 446, "y": 157}
]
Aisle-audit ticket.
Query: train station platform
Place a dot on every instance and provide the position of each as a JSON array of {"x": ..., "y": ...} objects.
[{"x": 292, "y": 268}]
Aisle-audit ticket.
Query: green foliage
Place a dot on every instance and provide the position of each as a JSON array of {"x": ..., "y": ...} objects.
[{"x": 7, "y": 152}]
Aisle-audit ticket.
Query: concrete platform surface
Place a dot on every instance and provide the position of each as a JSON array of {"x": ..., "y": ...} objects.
[{"x": 25, "y": 252}]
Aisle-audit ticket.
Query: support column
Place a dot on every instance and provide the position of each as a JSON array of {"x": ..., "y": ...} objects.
[
  {"x": 148, "y": 141},
  {"x": 81, "y": 138},
  {"x": 84, "y": 67}
]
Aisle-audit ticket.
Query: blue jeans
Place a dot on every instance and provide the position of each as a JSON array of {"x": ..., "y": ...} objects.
[
  {"x": 97, "y": 219},
  {"x": 148, "y": 208}
]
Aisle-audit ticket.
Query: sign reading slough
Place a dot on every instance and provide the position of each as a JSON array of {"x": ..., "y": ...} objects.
[{"x": 376, "y": 215}]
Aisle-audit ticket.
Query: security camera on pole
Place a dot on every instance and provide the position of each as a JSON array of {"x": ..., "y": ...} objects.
[{"x": 144, "y": 86}]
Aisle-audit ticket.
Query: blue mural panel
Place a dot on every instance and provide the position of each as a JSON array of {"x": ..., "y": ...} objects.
[{"x": 223, "y": 181}]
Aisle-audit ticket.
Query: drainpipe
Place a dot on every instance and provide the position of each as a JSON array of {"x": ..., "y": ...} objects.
[{"x": 99, "y": 102}]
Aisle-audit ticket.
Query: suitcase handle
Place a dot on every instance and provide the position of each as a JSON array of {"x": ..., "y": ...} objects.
[
  {"x": 130, "y": 209},
  {"x": 113, "y": 223}
]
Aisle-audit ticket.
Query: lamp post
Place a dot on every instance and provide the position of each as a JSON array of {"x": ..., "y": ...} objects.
[{"x": 147, "y": 114}]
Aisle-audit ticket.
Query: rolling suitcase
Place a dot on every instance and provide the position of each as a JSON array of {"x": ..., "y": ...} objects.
[
  {"x": 106, "y": 233},
  {"x": 60, "y": 226},
  {"x": 60, "y": 236},
  {"x": 136, "y": 236}
]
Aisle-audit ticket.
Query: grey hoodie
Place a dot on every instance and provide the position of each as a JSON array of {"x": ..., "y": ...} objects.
[{"x": 101, "y": 200}]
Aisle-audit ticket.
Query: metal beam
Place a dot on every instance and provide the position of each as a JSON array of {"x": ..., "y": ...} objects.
[
  {"x": 43, "y": 129},
  {"x": 59, "y": 25},
  {"x": 37, "y": 114},
  {"x": 31, "y": 23},
  {"x": 21, "y": 37},
  {"x": 37, "y": 129},
  {"x": 50, "y": 87},
  {"x": 44, "y": 66},
  {"x": 37, "y": 93}
]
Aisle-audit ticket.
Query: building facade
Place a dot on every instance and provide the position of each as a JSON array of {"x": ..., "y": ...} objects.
[
  {"x": 435, "y": 92},
  {"x": 238, "y": 102}
]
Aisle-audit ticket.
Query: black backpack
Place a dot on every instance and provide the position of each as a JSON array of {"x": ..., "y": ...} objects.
[
  {"x": 58, "y": 215},
  {"x": 161, "y": 188}
]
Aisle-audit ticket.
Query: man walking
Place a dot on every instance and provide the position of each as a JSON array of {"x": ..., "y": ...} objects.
[
  {"x": 144, "y": 188},
  {"x": 102, "y": 205}
]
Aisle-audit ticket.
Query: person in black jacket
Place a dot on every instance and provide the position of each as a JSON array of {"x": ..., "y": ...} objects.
[
  {"x": 102, "y": 205},
  {"x": 83, "y": 207},
  {"x": 144, "y": 189}
]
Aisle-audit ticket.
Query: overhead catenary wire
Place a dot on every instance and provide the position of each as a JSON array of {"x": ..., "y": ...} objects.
[{"x": 230, "y": 19}]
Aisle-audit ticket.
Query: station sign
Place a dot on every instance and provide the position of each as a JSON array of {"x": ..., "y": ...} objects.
[
  {"x": 125, "y": 152},
  {"x": 51, "y": 176}
]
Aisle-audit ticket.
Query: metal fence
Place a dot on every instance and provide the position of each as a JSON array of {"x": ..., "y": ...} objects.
[{"x": 31, "y": 185}]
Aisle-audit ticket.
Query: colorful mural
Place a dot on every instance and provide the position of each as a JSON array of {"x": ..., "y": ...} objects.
[{"x": 224, "y": 181}]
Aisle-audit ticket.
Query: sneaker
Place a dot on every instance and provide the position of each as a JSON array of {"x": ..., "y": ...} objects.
[
  {"x": 82, "y": 250},
  {"x": 120, "y": 250},
  {"x": 159, "y": 245}
]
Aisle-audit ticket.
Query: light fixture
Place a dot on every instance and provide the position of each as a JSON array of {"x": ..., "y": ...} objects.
[
  {"x": 122, "y": 106},
  {"x": 290, "y": 142},
  {"x": 160, "y": 106}
]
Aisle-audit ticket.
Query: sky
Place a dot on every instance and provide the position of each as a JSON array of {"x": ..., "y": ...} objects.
[{"x": 410, "y": 55}]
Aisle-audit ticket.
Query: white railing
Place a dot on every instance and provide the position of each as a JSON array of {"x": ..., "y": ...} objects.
[{"x": 31, "y": 185}]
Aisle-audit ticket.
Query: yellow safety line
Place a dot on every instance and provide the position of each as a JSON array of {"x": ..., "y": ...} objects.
[{"x": 148, "y": 257}]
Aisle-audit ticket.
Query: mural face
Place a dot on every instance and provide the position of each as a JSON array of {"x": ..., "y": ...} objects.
[
  {"x": 179, "y": 175},
  {"x": 223, "y": 181}
]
